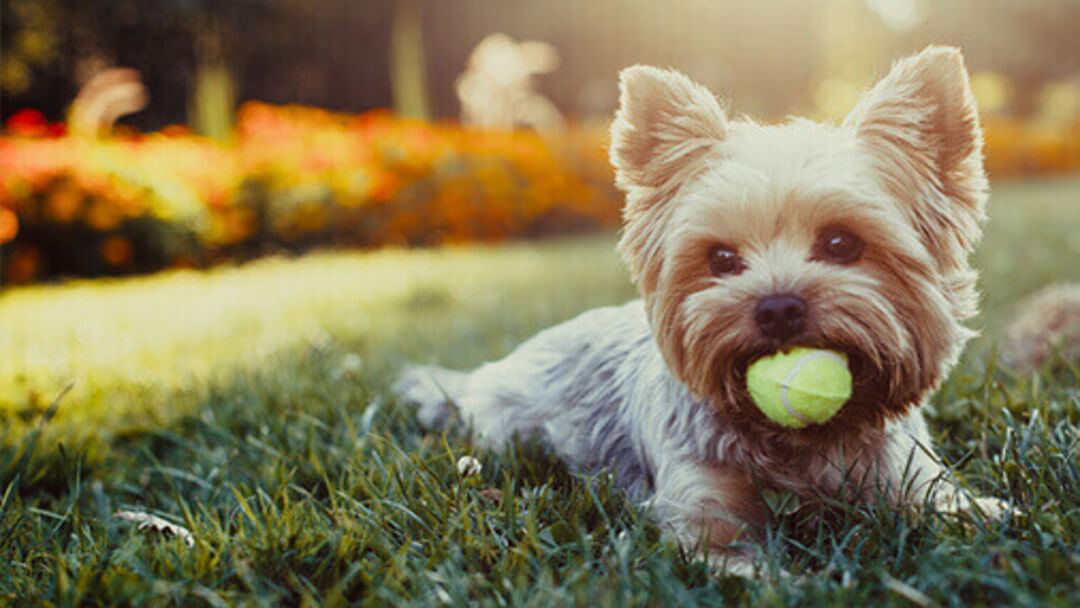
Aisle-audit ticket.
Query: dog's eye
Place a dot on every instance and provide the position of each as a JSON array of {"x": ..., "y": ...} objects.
[
  {"x": 839, "y": 246},
  {"x": 723, "y": 260}
]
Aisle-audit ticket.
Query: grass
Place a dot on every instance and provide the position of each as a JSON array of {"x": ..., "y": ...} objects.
[{"x": 250, "y": 405}]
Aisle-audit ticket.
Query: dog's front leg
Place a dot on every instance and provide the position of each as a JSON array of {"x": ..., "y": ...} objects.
[
  {"x": 707, "y": 508},
  {"x": 915, "y": 474}
]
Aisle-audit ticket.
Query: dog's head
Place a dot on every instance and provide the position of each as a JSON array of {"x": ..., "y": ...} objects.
[{"x": 746, "y": 239}]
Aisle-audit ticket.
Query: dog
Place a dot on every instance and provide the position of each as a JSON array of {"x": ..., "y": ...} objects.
[{"x": 746, "y": 239}]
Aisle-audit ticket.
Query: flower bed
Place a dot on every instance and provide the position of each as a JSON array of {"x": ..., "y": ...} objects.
[
  {"x": 292, "y": 178},
  {"x": 1015, "y": 148}
]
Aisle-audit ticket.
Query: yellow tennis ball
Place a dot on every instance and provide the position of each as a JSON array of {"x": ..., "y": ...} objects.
[{"x": 800, "y": 387}]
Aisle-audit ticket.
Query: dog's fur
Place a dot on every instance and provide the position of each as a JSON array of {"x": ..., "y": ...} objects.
[{"x": 655, "y": 389}]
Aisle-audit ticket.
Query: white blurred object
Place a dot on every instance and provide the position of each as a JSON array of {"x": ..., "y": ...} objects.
[
  {"x": 153, "y": 522},
  {"x": 497, "y": 87},
  {"x": 467, "y": 466},
  {"x": 106, "y": 96},
  {"x": 350, "y": 365},
  {"x": 900, "y": 15}
]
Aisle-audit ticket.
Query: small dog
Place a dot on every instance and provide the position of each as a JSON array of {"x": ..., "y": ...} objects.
[{"x": 747, "y": 239}]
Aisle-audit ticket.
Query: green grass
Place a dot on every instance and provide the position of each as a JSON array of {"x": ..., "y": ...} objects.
[{"x": 250, "y": 405}]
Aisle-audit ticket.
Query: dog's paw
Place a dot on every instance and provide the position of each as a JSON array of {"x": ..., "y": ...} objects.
[
  {"x": 985, "y": 507},
  {"x": 993, "y": 509},
  {"x": 745, "y": 565}
]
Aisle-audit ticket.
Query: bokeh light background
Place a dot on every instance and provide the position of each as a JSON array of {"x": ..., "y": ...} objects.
[{"x": 147, "y": 134}]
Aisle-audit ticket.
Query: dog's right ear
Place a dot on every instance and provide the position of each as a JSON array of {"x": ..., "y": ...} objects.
[{"x": 664, "y": 124}]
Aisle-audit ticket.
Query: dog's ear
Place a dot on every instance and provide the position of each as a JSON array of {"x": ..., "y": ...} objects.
[
  {"x": 665, "y": 122},
  {"x": 665, "y": 126},
  {"x": 921, "y": 122}
]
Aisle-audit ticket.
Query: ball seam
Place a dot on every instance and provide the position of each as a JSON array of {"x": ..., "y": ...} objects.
[{"x": 785, "y": 384}]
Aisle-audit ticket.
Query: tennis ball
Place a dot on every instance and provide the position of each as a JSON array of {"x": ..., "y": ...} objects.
[{"x": 800, "y": 387}]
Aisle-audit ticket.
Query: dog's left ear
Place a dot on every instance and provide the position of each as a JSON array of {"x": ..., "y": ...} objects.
[{"x": 922, "y": 123}]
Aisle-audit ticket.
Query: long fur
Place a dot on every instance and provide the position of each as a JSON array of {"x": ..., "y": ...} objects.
[{"x": 655, "y": 389}]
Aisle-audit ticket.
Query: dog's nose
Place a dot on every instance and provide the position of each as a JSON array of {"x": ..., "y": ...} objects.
[{"x": 780, "y": 317}]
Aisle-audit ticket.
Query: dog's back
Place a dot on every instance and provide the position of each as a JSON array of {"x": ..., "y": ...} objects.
[{"x": 585, "y": 368}]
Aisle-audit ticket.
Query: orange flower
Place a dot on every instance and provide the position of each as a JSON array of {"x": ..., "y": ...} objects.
[
  {"x": 64, "y": 203},
  {"x": 23, "y": 265},
  {"x": 9, "y": 225},
  {"x": 104, "y": 215},
  {"x": 117, "y": 251}
]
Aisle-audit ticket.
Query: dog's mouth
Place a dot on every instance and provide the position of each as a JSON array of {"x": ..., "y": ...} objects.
[
  {"x": 868, "y": 404},
  {"x": 858, "y": 362}
]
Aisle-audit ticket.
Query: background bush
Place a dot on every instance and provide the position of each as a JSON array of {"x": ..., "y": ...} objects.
[
  {"x": 289, "y": 179},
  {"x": 292, "y": 178}
]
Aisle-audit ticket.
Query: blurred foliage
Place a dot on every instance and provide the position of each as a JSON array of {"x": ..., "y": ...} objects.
[
  {"x": 1014, "y": 147},
  {"x": 30, "y": 37},
  {"x": 290, "y": 179},
  {"x": 771, "y": 57}
]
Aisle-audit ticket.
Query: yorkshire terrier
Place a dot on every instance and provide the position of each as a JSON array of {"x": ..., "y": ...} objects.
[{"x": 744, "y": 240}]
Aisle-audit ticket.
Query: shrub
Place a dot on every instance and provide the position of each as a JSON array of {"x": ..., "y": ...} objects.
[{"x": 291, "y": 178}]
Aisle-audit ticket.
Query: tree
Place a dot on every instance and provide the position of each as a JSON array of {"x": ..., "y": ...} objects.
[{"x": 408, "y": 68}]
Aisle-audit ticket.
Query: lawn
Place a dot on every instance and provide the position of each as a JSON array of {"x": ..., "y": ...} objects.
[{"x": 250, "y": 406}]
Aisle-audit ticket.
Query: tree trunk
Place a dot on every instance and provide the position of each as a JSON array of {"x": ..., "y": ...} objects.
[
  {"x": 408, "y": 72},
  {"x": 212, "y": 101}
]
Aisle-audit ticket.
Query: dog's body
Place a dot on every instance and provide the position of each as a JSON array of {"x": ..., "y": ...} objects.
[{"x": 745, "y": 240}]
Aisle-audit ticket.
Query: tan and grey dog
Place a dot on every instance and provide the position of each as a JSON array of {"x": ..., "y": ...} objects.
[{"x": 746, "y": 239}]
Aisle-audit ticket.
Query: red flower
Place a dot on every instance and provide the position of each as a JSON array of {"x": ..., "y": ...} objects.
[{"x": 27, "y": 123}]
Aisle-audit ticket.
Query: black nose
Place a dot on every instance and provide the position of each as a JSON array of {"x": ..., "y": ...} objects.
[{"x": 780, "y": 317}]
